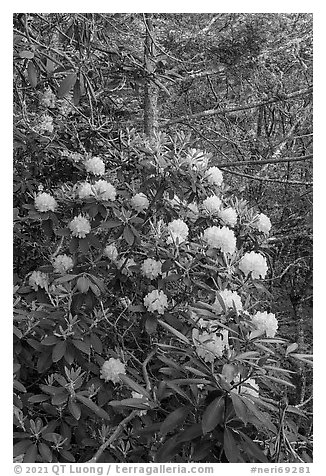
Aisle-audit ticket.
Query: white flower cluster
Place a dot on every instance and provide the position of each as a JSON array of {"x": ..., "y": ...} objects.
[
  {"x": 221, "y": 238},
  {"x": 156, "y": 301},
  {"x": 178, "y": 230},
  {"x": 111, "y": 252},
  {"x": 209, "y": 346},
  {"x": 105, "y": 190},
  {"x": 254, "y": 263},
  {"x": 262, "y": 223},
  {"x": 95, "y": 165},
  {"x": 139, "y": 202},
  {"x": 151, "y": 268},
  {"x": 101, "y": 189},
  {"x": 44, "y": 202},
  {"x": 214, "y": 176},
  {"x": 111, "y": 369},
  {"x": 48, "y": 99},
  {"x": 45, "y": 124},
  {"x": 228, "y": 216},
  {"x": 212, "y": 204},
  {"x": 265, "y": 322},
  {"x": 85, "y": 190},
  {"x": 38, "y": 280},
  {"x": 79, "y": 226},
  {"x": 229, "y": 297},
  {"x": 66, "y": 107},
  {"x": 249, "y": 387},
  {"x": 62, "y": 264}
]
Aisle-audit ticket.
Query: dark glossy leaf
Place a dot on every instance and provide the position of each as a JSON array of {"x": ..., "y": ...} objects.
[
  {"x": 151, "y": 324},
  {"x": 26, "y": 54},
  {"x": 167, "y": 451},
  {"x": 59, "y": 350},
  {"x": 82, "y": 346},
  {"x": 252, "y": 448},
  {"x": 201, "y": 450},
  {"x": 32, "y": 74},
  {"x": 92, "y": 406},
  {"x": 50, "y": 340},
  {"x": 38, "y": 398},
  {"x": 231, "y": 449},
  {"x": 96, "y": 343},
  {"x": 134, "y": 385},
  {"x": 213, "y": 415},
  {"x": 66, "y": 84},
  {"x": 21, "y": 447},
  {"x": 239, "y": 407},
  {"x": 45, "y": 453},
  {"x": 74, "y": 409},
  {"x": 30, "y": 455},
  {"x": 128, "y": 235},
  {"x": 174, "y": 420},
  {"x": 59, "y": 399},
  {"x": 191, "y": 433}
]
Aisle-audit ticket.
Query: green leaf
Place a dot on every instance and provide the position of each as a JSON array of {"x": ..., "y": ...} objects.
[
  {"x": 92, "y": 406},
  {"x": 59, "y": 399},
  {"x": 84, "y": 245},
  {"x": 128, "y": 235},
  {"x": 138, "y": 403},
  {"x": 38, "y": 398},
  {"x": 74, "y": 409},
  {"x": 26, "y": 54},
  {"x": 96, "y": 343},
  {"x": 21, "y": 447},
  {"x": 253, "y": 449},
  {"x": 59, "y": 350},
  {"x": 175, "y": 419},
  {"x": 135, "y": 386},
  {"x": 32, "y": 74},
  {"x": 176, "y": 333},
  {"x": 83, "y": 284},
  {"x": 45, "y": 452},
  {"x": 231, "y": 447},
  {"x": 66, "y": 84},
  {"x": 239, "y": 407},
  {"x": 213, "y": 415},
  {"x": 190, "y": 433},
  {"x": 30, "y": 455},
  {"x": 178, "y": 390},
  {"x": 50, "y": 340},
  {"x": 82, "y": 346},
  {"x": 151, "y": 324},
  {"x": 167, "y": 451}
]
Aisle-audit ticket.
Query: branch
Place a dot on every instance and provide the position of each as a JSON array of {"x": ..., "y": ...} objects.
[
  {"x": 263, "y": 179},
  {"x": 220, "y": 111},
  {"x": 261, "y": 162},
  {"x": 113, "y": 437}
]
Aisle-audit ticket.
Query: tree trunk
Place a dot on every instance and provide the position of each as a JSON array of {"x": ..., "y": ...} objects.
[{"x": 150, "y": 89}]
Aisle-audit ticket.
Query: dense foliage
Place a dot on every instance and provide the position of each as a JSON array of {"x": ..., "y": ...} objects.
[{"x": 162, "y": 299}]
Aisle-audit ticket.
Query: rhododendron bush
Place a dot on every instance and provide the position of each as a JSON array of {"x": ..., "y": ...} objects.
[
  {"x": 147, "y": 309},
  {"x": 146, "y": 325}
]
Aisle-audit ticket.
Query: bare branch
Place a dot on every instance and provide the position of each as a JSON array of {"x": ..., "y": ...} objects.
[
  {"x": 221, "y": 110},
  {"x": 240, "y": 163},
  {"x": 265, "y": 179},
  {"x": 113, "y": 437}
]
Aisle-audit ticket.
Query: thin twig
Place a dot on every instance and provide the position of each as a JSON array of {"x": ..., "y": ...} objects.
[
  {"x": 263, "y": 179},
  {"x": 113, "y": 437}
]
